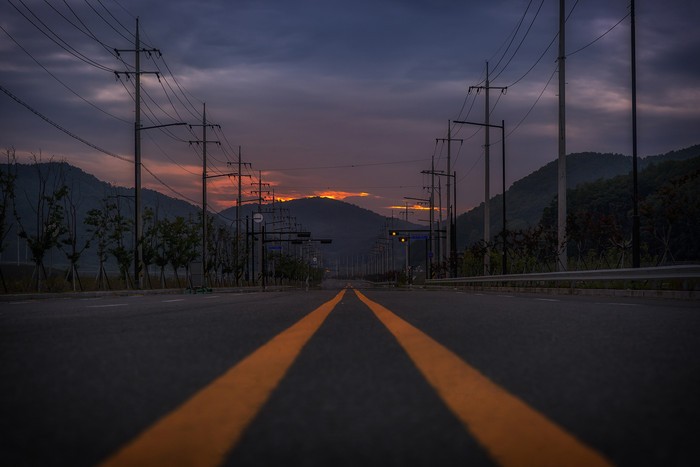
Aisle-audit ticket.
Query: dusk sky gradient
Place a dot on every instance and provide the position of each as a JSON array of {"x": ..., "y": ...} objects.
[{"x": 342, "y": 98}]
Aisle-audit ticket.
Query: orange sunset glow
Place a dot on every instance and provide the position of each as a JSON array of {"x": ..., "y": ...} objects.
[
  {"x": 338, "y": 194},
  {"x": 416, "y": 207}
]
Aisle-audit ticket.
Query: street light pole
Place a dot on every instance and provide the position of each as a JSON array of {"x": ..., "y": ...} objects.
[
  {"x": 502, "y": 126},
  {"x": 138, "y": 247}
]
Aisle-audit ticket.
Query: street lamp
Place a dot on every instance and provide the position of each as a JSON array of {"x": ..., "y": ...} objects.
[
  {"x": 429, "y": 256},
  {"x": 502, "y": 126},
  {"x": 138, "y": 249}
]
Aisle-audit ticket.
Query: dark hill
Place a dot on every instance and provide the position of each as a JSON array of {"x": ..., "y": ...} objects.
[
  {"x": 353, "y": 229},
  {"x": 528, "y": 197}
]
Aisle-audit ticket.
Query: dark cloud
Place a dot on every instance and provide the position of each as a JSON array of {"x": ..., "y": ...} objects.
[{"x": 314, "y": 83}]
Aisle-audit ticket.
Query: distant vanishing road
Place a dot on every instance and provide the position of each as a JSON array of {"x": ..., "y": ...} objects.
[{"x": 356, "y": 377}]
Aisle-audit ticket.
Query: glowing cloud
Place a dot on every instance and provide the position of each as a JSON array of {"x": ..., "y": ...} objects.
[
  {"x": 339, "y": 195},
  {"x": 415, "y": 207}
]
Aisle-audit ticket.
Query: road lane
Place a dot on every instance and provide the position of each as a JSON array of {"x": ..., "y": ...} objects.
[
  {"x": 621, "y": 375},
  {"x": 514, "y": 433},
  {"x": 354, "y": 398},
  {"x": 204, "y": 428},
  {"x": 78, "y": 383}
]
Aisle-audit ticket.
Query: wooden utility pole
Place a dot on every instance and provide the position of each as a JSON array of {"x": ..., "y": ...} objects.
[
  {"x": 238, "y": 214},
  {"x": 561, "y": 212},
  {"x": 205, "y": 176},
  {"x": 487, "y": 169},
  {"x": 138, "y": 219},
  {"x": 138, "y": 225},
  {"x": 449, "y": 208}
]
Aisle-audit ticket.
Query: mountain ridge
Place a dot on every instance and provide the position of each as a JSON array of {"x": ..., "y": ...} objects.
[
  {"x": 527, "y": 197},
  {"x": 353, "y": 229}
]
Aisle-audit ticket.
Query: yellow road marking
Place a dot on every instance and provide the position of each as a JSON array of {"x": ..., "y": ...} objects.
[
  {"x": 511, "y": 431},
  {"x": 207, "y": 426}
]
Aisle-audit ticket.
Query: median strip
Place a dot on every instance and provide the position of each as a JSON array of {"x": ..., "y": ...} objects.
[
  {"x": 511, "y": 431},
  {"x": 207, "y": 426}
]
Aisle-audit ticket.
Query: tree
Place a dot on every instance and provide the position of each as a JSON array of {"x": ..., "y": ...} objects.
[
  {"x": 181, "y": 237},
  {"x": 8, "y": 177},
  {"x": 118, "y": 227},
  {"x": 70, "y": 243},
  {"x": 150, "y": 240},
  {"x": 97, "y": 220},
  {"x": 49, "y": 215},
  {"x": 160, "y": 246},
  {"x": 671, "y": 205}
]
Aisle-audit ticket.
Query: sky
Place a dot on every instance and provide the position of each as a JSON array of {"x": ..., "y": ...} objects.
[{"x": 347, "y": 99}]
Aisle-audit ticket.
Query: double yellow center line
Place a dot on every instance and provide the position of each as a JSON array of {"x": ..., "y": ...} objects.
[
  {"x": 511, "y": 431},
  {"x": 206, "y": 427}
]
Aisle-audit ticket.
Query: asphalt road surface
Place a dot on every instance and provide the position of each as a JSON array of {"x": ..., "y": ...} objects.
[{"x": 356, "y": 377}]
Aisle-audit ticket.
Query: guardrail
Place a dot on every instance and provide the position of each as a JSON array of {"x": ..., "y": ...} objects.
[{"x": 628, "y": 274}]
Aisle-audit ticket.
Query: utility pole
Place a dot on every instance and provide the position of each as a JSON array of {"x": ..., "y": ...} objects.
[
  {"x": 450, "y": 247},
  {"x": 138, "y": 219},
  {"x": 262, "y": 226},
  {"x": 487, "y": 170},
  {"x": 138, "y": 225},
  {"x": 432, "y": 214},
  {"x": 561, "y": 212},
  {"x": 431, "y": 217},
  {"x": 441, "y": 243},
  {"x": 635, "y": 194},
  {"x": 204, "y": 142},
  {"x": 238, "y": 211}
]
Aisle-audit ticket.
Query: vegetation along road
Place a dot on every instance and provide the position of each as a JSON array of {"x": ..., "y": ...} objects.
[{"x": 349, "y": 377}]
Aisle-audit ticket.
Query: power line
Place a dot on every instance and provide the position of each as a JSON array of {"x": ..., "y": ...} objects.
[
  {"x": 168, "y": 186},
  {"x": 128, "y": 39},
  {"x": 527, "y": 114},
  {"x": 522, "y": 41},
  {"x": 119, "y": 22},
  {"x": 346, "y": 166},
  {"x": 59, "y": 80},
  {"x": 85, "y": 31},
  {"x": 64, "y": 130},
  {"x": 544, "y": 52},
  {"x": 57, "y": 40},
  {"x": 514, "y": 35},
  {"x": 599, "y": 37}
]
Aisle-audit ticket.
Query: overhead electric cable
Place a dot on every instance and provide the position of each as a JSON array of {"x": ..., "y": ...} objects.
[
  {"x": 64, "y": 130},
  {"x": 599, "y": 37},
  {"x": 345, "y": 166},
  {"x": 527, "y": 114},
  {"x": 85, "y": 31},
  {"x": 59, "y": 80},
  {"x": 513, "y": 36},
  {"x": 168, "y": 186},
  {"x": 57, "y": 39},
  {"x": 544, "y": 52},
  {"x": 522, "y": 41},
  {"x": 128, "y": 39}
]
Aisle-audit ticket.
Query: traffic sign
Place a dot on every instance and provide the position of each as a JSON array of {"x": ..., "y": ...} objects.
[{"x": 258, "y": 217}]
